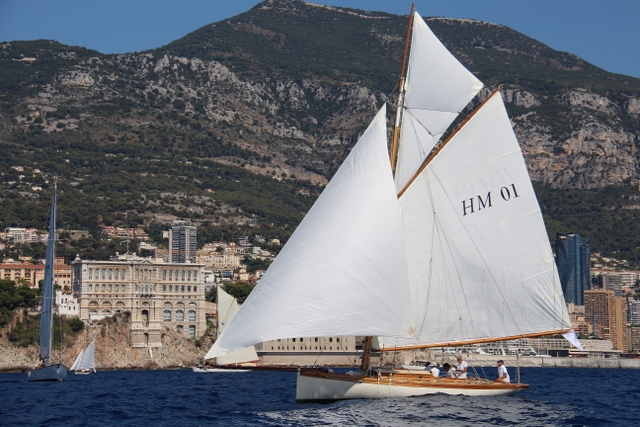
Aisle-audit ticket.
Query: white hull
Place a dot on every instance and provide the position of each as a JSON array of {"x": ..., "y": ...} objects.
[
  {"x": 50, "y": 373},
  {"x": 327, "y": 387},
  {"x": 85, "y": 372}
]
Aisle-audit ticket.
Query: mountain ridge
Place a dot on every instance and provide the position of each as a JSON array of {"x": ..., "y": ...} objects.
[{"x": 250, "y": 116}]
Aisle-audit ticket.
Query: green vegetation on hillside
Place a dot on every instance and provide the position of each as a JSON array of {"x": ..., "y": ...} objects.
[{"x": 13, "y": 297}]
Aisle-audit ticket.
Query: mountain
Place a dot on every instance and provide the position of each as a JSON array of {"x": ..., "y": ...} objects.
[{"x": 250, "y": 117}]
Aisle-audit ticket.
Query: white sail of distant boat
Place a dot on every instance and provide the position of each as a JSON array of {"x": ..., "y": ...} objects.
[
  {"x": 47, "y": 370},
  {"x": 85, "y": 362},
  {"x": 227, "y": 309},
  {"x": 450, "y": 250}
]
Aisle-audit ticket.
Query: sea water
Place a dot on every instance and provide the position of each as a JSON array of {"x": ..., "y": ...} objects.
[{"x": 557, "y": 397}]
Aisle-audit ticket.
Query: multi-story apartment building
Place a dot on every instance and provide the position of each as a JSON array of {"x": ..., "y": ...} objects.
[
  {"x": 32, "y": 274},
  {"x": 183, "y": 242},
  {"x": 158, "y": 295},
  {"x": 24, "y": 235},
  {"x": 573, "y": 261},
  {"x": 608, "y": 315}
]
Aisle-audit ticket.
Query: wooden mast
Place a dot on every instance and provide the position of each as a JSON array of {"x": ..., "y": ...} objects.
[
  {"x": 366, "y": 351},
  {"x": 398, "y": 120}
]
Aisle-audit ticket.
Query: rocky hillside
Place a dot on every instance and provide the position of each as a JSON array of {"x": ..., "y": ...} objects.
[
  {"x": 250, "y": 116},
  {"x": 112, "y": 349}
]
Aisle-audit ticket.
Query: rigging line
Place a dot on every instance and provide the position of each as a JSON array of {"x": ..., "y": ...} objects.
[
  {"x": 480, "y": 255},
  {"x": 446, "y": 141}
]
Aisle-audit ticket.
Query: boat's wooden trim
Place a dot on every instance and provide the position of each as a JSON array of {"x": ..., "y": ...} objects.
[
  {"x": 396, "y": 128},
  {"x": 366, "y": 354},
  {"x": 441, "y": 146},
  {"x": 414, "y": 380},
  {"x": 476, "y": 341}
]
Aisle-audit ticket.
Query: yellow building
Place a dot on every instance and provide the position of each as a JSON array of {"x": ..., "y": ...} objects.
[{"x": 608, "y": 316}]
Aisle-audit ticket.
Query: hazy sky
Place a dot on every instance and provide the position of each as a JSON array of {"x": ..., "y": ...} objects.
[{"x": 603, "y": 32}]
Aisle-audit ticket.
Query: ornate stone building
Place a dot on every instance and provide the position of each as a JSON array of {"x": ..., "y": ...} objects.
[{"x": 158, "y": 296}]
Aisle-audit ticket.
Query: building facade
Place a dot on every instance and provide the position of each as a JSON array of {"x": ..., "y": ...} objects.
[
  {"x": 32, "y": 274},
  {"x": 158, "y": 296},
  {"x": 608, "y": 316},
  {"x": 183, "y": 242},
  {"x": 573, "y": 261}
]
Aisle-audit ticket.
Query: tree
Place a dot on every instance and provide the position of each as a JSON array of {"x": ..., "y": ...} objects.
[{"x": 239, "y": 290}]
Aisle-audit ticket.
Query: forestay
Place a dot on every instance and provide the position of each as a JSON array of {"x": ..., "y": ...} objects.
[
  {"x": 343, "y": 271},
  {"x": 437, "y": 88},
  {"x": 479, "y": 261}
]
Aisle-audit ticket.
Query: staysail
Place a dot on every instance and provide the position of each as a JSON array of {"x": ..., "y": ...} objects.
[
  {"x": 437, "y": 88},
  {"x": 339, "y": 272},
  {"x": 479, "y": 261},
  {"x": 78, "y": 362}
]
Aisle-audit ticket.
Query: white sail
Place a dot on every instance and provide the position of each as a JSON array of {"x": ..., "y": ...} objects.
[
  {"x": 343, "y": 270},
  {"x": 437, "y": 88},
  {"x": 76, "y": 363},
  {"x": 224, "y": 302},
  {"x": 227, "y": 309},
  {"x": 88, "y": 359},
  {"x": 479, "y": 260}
]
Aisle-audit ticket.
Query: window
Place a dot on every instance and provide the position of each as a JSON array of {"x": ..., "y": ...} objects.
[
  {"x": 183, "y": 275},
  {"x": 195, "y": 275},
  {"x": 170, "y": 275},
  {"x": 103, "y": 288},
  {"x": 166, "y": 315},
  {"x": 164, "y": 287},
  {"x": 180, "y": 316},
  {"x": 110, "y": 288},
  {"x": 189, "y": 275},
  {"x": 179, "y": 328},
  {"x": 90, "y": 286},
  {"x": 123, "y": 275},
  {"x": 195, "y": 289},
  {"x": 90, "y": 273},
  {"x": 183, "y": 289},
  {"x": 104, "y": 273},
  {"x": 170, "y": 288},
  {"x": 294, "y": 340},
  {"x": 192, "y": 331},
  {"x": 316, "y": 341},
  {"x": 192, "y": 315},
  {"x": 117, "y": 274},
  {"x": 164, "y": 275},
  {"x": 330, "y": 339},
  {"x": 110, "y": 274},
  {"x": 189, "y": 288}
]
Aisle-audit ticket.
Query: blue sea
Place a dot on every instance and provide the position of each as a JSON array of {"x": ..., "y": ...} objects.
[{"x": 557, "y": 397}]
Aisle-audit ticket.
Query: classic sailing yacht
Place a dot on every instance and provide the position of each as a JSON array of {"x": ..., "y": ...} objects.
[
  {"x": 47, "y": 371},
  {"x": 234, "y": 361},
  {"x": 85, "y": 362},
  {"x": 443, "y": 246}
]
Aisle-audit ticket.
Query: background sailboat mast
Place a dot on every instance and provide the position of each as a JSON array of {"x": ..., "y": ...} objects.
[
  {"x": 46, "y": 315},
  {"x": 398, "y": 120}
]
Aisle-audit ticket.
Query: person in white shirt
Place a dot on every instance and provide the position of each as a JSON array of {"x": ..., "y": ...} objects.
[
  {"x": 433, "y": 369},
  {"x": 461, "y": 369},
  {"x": 503, "y": 374},
  {"x": 450, "y": 370}
]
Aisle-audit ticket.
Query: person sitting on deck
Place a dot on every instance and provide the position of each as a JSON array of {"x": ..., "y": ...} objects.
[
  {"x": 433, "y": 369},
  {"x": 461, "y": 369},
  {"x": 450, "y": 370},
  {"x": 503, "y": 374}
]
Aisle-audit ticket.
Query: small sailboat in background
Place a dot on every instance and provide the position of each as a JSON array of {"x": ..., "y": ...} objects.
[
  {"x": 240, "y": 360},
  {"x": 85, "y": 362},
  {"x": 47, "y": 370}
]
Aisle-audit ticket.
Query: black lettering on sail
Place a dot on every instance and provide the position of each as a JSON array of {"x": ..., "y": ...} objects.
[{"x": 468, "y": 206}]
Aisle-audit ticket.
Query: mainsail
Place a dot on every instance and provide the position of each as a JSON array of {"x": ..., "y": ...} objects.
[
  {"x": 479, "y": 261},
  {"x": 78, "y": 362},
  {"x": 88, "y": 359},
  {"x": 46, "y": 314},
  {"x": 436, "y": 90},
  {"x": 339, "y": 272}
]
